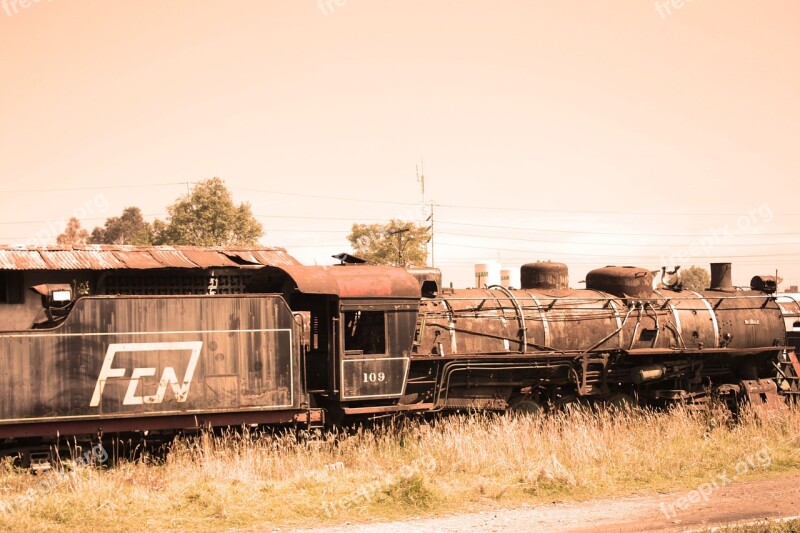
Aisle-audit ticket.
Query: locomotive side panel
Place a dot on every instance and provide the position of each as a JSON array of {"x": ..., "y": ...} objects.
[
  {"x": 150, "y": 356},
  {"x": 750, "y": 319},
  {"x": 576, "y": 320}
]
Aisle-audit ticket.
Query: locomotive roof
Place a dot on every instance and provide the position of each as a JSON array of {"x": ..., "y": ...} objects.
[
  {"x": 344, "y": 281},
  {"x": 116, "y": 257}
]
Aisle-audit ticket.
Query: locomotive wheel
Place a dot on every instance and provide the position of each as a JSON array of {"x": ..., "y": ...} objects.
[
  {"x": 525, "y": 405},
  {"x": 621, "y": 401},
  {"x": 568, "y": 403}
]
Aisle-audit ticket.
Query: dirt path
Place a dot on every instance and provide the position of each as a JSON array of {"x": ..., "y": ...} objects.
[{"x": 681, "y": 511}]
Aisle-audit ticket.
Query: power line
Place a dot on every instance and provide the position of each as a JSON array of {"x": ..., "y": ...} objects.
[
  {"x": 592, "y": 255},
  {"x": 547, "y": 230},
  {"x": 588, "y": 212},
  {"x": 323, "y": 197},
  {"x": 96, "y": 187},
  {"x": 647, "y": 245}
]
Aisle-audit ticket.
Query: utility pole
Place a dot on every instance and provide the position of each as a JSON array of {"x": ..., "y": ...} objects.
[
  {"x": 433, "y": 256},
  {"x": 399, "y": 246},
  {"x": 424, "y": 205}
]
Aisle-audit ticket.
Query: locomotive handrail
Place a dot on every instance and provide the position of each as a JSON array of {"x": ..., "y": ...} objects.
[
  {"x": 451, "y": 327},
  {"x": 684, "y": 295},
  {"x": 640, "y": 308},
  {"x": 658, "y": 329},
  {"x": 713, "y": 316},
  {"x": 520, "y": 316},
  {"x": 619, "y": 329}
]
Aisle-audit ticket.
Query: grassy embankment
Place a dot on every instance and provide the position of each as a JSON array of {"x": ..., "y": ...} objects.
[{"x": 458, "y": 464}]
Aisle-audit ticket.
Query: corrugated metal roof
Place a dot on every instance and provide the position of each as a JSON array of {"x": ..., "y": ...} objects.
[
  {"x": 208, "y": 258},
  {"x": 267, "y": 258},
  {"x": 171, "y": 257},
  {"x": 110, "y": 257},
  {"x": 12, "y": 259}
]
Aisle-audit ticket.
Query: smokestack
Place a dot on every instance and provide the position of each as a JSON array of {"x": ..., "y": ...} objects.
[{"x": 721, "y": 277}]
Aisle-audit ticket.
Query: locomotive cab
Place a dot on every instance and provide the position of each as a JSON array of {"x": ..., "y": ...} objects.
[{"x": 361, "y": 323}]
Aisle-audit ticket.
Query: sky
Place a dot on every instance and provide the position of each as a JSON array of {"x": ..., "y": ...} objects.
[{"x": 630, "y": 132}]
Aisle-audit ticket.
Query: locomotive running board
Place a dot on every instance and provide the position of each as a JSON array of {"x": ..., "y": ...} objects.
[
  {"x": 387, "y": 409},
  {"x": 159, "y": 423},
  {"x": 701, "y": 351}
]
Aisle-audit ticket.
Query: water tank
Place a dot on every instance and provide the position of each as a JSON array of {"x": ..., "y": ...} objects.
[
  {"x": 621, "y": 281},
  {"x": 544, "y": 275},
  {"x": 487, "y": 274}
]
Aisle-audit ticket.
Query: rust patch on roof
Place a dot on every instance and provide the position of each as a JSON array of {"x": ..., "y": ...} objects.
[
  {"x": 112, "y": 257},
  {"x": 170, "y": 257},
  {"x": 208, "y": 258},
  {"x": 269, "y": 257},
  {"x": 11, "y": 259},
  {"x": 138, "y": 259}
]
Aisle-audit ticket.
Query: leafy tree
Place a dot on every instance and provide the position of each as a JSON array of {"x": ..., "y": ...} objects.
[
  {"x": 398, "y": 243},
  {"x": 73, "y": 234},
  {"x": 207, "y": 216},
  {"x": 129, "y": 228},
  {"x": 695, "y": 278}
]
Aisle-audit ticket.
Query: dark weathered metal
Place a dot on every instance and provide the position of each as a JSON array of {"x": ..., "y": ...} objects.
[
  {"x": 430, "y": 279},
  {"x": 544, "y": 275},
  {"x": 56, "y": 427},
  {"x": 357, "y": 340},
  {"x": 766, "y": 284},
  {"x": 721, "y": 277},
  {"x": 355, "y": 281},
  {"x": 136, "y": 357},
  {"x": 624, "y": 281},
  {"x": 762, "y": 396}
]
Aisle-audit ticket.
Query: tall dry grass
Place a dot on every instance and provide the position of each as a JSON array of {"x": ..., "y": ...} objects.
[{"x": 255, "y": 480}]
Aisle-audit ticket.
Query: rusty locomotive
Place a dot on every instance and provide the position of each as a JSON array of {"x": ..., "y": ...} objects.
[{"x": 288, "y": 343}]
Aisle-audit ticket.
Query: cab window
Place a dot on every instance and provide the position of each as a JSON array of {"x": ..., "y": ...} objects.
[{"x": 365, "y": 332}]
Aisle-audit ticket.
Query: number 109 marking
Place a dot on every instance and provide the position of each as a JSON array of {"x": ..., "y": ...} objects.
[{"x": 372, "y": 377}]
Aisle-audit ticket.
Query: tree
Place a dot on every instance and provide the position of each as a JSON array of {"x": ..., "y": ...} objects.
[
  {"x": 129, "y": 228},
  {"x": 398, "y": 243},
  {"x": 73, "y": 234},
  {"x": 207, "y": 216},
  {"x": 695, "y": 278}
]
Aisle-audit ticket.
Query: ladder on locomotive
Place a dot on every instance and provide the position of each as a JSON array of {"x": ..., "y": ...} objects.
[{"x": 788, "y": 377}]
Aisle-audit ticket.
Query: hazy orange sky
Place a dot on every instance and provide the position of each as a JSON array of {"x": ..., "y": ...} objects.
[{"x": 589, "y": 132}]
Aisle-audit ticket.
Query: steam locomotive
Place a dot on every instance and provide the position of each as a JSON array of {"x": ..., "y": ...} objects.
[{"x": 308, "y": 344}]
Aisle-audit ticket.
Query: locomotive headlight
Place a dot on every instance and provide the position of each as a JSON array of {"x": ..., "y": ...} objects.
[{"x": 60, "y": 296}]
